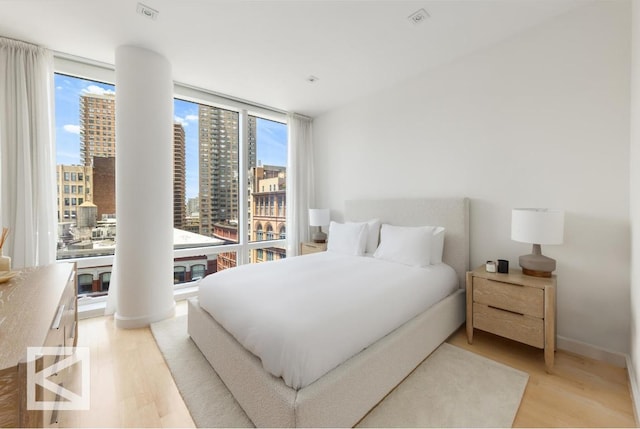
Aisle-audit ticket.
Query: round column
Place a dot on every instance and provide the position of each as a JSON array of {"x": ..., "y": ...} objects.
[{"x": 144, "y": 187}]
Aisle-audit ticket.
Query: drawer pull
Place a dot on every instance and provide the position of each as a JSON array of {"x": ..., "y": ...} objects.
[
  {"x": 506, "y": 311},
  {"x": 54, "y": 414},
  {"x": 73, "y": 331},
  {"x": 58, "y": 319}
]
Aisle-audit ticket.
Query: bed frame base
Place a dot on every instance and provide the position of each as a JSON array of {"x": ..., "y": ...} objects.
[{"x": 343, "y": 396}]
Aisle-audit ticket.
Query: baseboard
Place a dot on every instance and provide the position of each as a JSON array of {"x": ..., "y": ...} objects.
[
  {"x": 591, "y": 351},
  {"x": 633, "y": 385}
]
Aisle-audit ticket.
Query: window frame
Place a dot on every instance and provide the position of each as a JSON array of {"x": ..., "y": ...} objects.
[
  {"x": 101, "y": 281},
  {"x": 87, "y": 275},
  {"x": 94, "y": 70}
]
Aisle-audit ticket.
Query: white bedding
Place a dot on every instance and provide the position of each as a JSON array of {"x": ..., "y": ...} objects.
[{"x": 304, "y": 316}]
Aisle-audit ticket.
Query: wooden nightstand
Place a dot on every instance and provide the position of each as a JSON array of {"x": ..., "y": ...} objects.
[
  {"x": 311, "y": 247},
  {"x": 515, "y": 306}
]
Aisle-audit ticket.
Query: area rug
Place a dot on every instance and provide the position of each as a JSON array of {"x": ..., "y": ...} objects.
[{"x": 451, "y": 388}]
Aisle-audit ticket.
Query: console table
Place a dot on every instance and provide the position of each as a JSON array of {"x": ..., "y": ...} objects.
[{"x": 37, "y": 309}]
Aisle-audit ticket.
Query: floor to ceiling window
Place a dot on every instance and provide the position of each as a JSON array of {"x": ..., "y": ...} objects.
[
  {"x": 215, "y": 210},
  {"x": 267, "y": 188}
]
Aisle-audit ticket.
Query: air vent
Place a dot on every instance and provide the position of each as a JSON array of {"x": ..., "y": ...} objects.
[
  {"x": 147, "y": 11},
  {"x": 419, "y": 16}
]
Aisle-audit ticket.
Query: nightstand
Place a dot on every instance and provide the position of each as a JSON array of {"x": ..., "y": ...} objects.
[
  {"x": 311, "y": 247},
  {"x": 515, "y": 306}
]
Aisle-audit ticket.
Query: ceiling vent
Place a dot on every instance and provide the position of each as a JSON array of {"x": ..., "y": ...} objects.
[
  {"x": 419, "y": 16},
  {"x": 147, "y": 11}
]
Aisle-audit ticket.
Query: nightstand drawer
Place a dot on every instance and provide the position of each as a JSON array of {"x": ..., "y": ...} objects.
[
  {"x": 525, "y": 329},
  {"x": 311, "y": 247},
  {"x": 515, "y": 298}
]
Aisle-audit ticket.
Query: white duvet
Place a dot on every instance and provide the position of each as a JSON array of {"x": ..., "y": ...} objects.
[{"x": 304, "y": 316}]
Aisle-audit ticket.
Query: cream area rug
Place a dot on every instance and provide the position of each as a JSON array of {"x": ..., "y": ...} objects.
[{"x": 451, "y": 388}]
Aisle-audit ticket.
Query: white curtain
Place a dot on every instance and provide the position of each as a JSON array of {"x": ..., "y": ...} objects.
[
  {"x": 27, "y": 154},
  {"x": 300, "y": 188}
]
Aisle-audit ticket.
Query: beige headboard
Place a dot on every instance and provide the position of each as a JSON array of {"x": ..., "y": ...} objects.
[{"x": 451, "y": 213}]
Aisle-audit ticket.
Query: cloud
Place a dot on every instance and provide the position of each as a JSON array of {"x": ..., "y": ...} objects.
[
  {"x": 73, "y": 129},
  {"x": 181, "y": 121},
  {"x": 95, "y": 89},
  {"x": 185, "y": 121}
]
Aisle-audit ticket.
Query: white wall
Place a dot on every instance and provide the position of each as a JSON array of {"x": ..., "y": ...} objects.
[
  {"x": 635, "y": 201},
  {"x": 539, "y": 120}
]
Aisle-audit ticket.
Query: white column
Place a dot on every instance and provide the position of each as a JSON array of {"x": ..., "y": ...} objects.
[{"x": 144, "y": 187}]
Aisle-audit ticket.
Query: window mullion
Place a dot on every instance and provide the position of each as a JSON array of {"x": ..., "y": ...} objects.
[{"x": 243, "y": 198}]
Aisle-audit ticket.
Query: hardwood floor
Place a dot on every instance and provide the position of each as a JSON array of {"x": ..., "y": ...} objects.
[
  {"x": 581, "y": 392},
  {"x": 131, "y": 385}
]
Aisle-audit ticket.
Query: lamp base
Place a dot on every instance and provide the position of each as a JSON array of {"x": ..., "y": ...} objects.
[
  {"x": 535, "y": 273},
  {"x": 319, "y": 237},
  {"x": 537, "y": 265}
]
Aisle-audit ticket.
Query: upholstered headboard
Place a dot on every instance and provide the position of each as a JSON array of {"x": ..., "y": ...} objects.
[{"x": 451, "y": 213}]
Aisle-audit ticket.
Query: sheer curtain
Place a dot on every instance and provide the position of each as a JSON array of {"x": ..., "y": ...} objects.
[
  {"x": 300, "y": 189},
  {"x": 27, "y": 154}
]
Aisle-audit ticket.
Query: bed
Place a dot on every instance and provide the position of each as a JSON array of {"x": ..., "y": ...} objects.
[{"x": 342, "y": 396}]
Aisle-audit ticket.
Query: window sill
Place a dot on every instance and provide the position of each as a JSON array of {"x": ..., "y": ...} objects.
[{"x": 96, "y": 309}]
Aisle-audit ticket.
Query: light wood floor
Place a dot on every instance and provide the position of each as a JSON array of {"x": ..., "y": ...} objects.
[
  {"x": 581, "y": 392},
  {"x": 131, "y": 385}
]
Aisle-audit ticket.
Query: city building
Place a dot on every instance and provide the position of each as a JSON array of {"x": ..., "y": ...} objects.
[
  {"x": 193, "y": 206},
  {"x": 192, "y": 223},
  {"x": 95, "y": 280},
  {"x": 219, "y": 166},
  {"x": 268, "y": 214},
  {"x": 74, "y": 188},
  {"x": 104, "y": 186},
  {"x": 229, "y": 233},
  {"x": 95, "y": 180},
  {"x": 97, "y": 126},
  {"x": 179, "y": 176}
]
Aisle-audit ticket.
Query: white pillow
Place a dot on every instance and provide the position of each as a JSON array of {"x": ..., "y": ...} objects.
[
  {"x": 373, "y": 235},
  {"x": 409, "y": 245},
  {"x": 347, "y": 238},
  {"x": 437, "y": 245}
]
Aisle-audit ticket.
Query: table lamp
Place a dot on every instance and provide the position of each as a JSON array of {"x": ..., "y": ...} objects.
[
  {"x": 537, "y": 226},
  {"x": 319, "y": 217}
]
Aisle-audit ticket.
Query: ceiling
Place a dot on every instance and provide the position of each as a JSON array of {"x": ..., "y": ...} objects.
[{"x": 264, "y": 51}]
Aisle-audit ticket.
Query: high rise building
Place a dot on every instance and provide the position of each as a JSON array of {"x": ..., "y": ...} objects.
[
  {"x": 219, "y": 167},
  {"x": 179, "y": 176},
  {"x": 98, "y": 150},
  {"x": 253, "y": 146},
  {"x": 193, "y": 206},
  {"x": 97, "y": 126}
]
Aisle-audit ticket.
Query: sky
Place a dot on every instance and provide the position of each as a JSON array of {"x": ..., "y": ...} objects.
[{"x": 271, "y": 136}]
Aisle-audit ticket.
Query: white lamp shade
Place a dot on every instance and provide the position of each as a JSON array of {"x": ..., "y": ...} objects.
[
  {"x": 537, "y": 226},
  {"x": 319, "y": 217}
]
